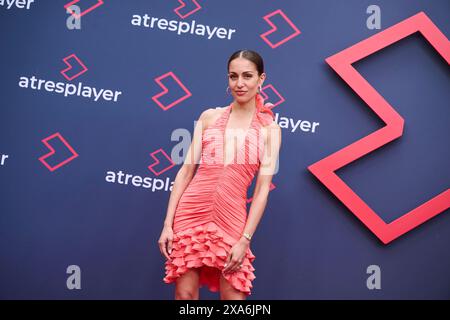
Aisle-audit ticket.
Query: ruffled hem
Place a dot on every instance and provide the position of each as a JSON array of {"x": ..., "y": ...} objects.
[{"x": 207, "y": 247}]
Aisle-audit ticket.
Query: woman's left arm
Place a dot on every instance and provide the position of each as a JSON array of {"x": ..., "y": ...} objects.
[
  {"x": 266, "y": 171},
  {"x": 272, "y": 144}
]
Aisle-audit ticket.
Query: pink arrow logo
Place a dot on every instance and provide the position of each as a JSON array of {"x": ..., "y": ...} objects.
[
  {"x": 52, "y": 152},
  {"x": 325, "y": 169},
  {"x": 183, "y": 5},
  {"x": 160, "y": 153},
  {"x": 72, "y": 65},
  {"x": 99, "y": 3},
  {"x": 267, "y": 97},
  {"x": 264, "y": 36},
  {"x": 165, "y": 90}
]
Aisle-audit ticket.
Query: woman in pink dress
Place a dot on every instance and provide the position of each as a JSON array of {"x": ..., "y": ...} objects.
[{"x": 207, "y": 232}]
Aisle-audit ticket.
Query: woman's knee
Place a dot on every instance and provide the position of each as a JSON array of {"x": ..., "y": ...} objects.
[
  {"x": 187, "y": 286},
  {"x": 186, "y": 294},
  {"x": 232, "y": 295}
]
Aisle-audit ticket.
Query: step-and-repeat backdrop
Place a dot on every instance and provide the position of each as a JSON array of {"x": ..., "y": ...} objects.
[{"x": 99, "y": 101}]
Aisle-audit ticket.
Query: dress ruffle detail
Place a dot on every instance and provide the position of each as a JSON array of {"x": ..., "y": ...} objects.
[
  {"x": 207, "y": 246},
  {"x": 265, "y": 114}
]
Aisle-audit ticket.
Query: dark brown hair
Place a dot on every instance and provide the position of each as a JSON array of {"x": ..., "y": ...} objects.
[{"x": 251, "y": 55}]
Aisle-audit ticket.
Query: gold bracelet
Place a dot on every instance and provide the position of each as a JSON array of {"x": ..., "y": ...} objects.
[{"x": 247, "y": 236}]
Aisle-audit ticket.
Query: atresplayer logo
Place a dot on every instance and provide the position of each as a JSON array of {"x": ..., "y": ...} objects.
[
  {"x": 3, "y": 158},
  {"x": 21, "y": 4},
  {"x": 182, "y": 27}
]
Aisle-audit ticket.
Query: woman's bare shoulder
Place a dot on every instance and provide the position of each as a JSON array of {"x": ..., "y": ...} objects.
[{"x": 210, "y": 115}]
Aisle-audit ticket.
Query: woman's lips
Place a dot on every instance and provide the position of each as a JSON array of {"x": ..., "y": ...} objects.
[{"x": 241, "y": 93}]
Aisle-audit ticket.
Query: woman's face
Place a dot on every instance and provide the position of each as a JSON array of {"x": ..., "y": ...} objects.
[{"x": 243, "y": 79}]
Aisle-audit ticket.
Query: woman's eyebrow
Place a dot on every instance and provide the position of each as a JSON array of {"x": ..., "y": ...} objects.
[{"x": 242, "y": 72}]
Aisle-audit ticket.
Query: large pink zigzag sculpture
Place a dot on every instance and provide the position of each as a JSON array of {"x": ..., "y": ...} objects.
[{"x": 325, "y": 169}]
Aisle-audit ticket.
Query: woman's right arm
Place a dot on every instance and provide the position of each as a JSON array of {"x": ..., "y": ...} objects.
[{"x": 182, "y": 180}]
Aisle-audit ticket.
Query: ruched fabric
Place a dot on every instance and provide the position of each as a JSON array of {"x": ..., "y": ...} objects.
[{"x": 211, "y": 214}]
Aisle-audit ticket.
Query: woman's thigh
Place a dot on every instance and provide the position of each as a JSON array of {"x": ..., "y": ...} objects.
[
  {"x": 228, "y": 292},
  {"x": 187, "y": 285}
]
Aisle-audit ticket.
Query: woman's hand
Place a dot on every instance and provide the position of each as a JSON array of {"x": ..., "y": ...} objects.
[
  {"x": 165, "y": 241},
  {"x": 236, "y": 256}
]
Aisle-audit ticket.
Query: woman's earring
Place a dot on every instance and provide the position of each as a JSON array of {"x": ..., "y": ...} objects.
[
  {"x": 228, "y": 89},
  {"x": 260, "y": 89}
]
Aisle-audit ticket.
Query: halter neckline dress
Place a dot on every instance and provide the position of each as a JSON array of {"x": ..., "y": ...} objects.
[{"x": 211, "y": 214}]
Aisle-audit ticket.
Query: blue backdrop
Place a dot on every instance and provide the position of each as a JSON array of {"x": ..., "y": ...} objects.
[{"x": 77, "y": 207}]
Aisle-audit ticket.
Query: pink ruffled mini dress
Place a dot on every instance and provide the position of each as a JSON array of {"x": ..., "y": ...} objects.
[{"x": 211, "y": 214}]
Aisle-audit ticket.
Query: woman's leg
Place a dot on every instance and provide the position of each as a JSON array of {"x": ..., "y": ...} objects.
[
  {"x": 227, "y": 292},
  {"x": 187, "y": 286}
]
